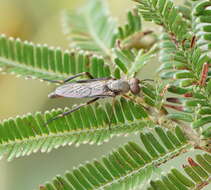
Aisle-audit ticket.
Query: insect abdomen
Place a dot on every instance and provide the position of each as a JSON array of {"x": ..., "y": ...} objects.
[{"x": 53, "y": 95}]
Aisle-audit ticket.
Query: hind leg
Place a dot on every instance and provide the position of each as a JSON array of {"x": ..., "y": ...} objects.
[{"x": 72, "y": 110}]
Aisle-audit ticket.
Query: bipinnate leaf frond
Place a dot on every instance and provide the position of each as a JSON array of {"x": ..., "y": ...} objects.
[
  {"x": 133, "y": 27},
  {"x": 91, "y": 28},
  {"x": 24, "y": 135},
  {"x": 186, "y": 9},
  {"x": 131, "y": 34},
  {"x": 181, "y": 68},
  {"x": 196, "y": 175},
  {"x": 202, "y": 25},
  {"x": 185, "y": 71},
  {"x": 185, "y": 61},
  {"x": 131, "y": 61},
  {"x": 194, "y": 108},
  {"x": 166, "y": 14},
  {"x": 40, "y": 61},
  {"x": 127, "y": 167}
]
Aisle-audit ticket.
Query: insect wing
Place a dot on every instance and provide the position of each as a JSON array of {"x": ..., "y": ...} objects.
[
  {"x": 81, "y": 90},
  {"x": 74, "y": 90}
]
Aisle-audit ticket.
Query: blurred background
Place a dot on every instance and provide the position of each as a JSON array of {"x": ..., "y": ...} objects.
[{"x": 39, "y": 21}]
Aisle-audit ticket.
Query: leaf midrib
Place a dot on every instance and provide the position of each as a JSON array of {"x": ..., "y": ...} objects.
[
  {"x": 60, "y": 134},
  {"x": 30, "y": 68},
  {"x": 159, "y": 161},
  {"x": 94, "y": 35}
]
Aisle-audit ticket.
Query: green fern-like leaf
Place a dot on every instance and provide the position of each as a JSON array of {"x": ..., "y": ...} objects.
[
  {"x": 131, "y": 61},
  {"x": 186, "y": 9},
  {"x": 164, "y": 13},
  {"x": 184, "y": 71},
  {"x": 132, "y": 27},
  {"x": 130, "y": 35},
  {"x": 40, "y": 61},
  {"x": 202, "y": 25},
  {"x": 184, "y": 58},
  {"x": 183, "y": 62},
  {"x": 194, "y": 108},
  {"x": 127, "y": 167},
  {"x": 197, "y": 175},
  {"x": 181, "y": 68},
  {"x": 21, "y": 136},
  {"x": 91, "y": 28}
]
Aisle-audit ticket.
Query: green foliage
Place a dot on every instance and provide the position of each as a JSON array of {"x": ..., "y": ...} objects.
[
  {"x": 133, "y": 27},
  {"x": 132, "y": 61},
  {"x": 194, "y": 108},
  {"x": 196, "y": 175},
  {"x": 183, "y": 69},
  {"x": 202, "y": 24},
  {"x": 24, "y": 135},
  {"x": 164, "y": 13},
  {"x": 100, "y": 47},
  {"x": 43, "y": 62},
  {"x": 127, "y": 167},
  {"x": 186, "y": 9},
  {"x": 91, "y": 28},
  {"x": 183, "y": 60}
]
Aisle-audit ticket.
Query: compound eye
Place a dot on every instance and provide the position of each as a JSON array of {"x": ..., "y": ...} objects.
[
  {"x": 135, "y": 89},
  {"x": 134, "y": 86}
]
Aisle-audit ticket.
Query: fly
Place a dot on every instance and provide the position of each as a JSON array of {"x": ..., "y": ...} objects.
[{"x": 95, "y": 88}]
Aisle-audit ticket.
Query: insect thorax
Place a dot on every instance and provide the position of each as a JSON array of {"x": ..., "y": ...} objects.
[{"x": 119, "y": 86}]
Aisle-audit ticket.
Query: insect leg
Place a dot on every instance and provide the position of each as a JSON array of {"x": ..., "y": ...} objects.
[
  {"x": 133, "y": 100},
  {"x": 70, "y": 78},
  {"x": 78, "y": 75},
  {"x": 72, "y": 110},
  {"x": 128, "y": 97}
]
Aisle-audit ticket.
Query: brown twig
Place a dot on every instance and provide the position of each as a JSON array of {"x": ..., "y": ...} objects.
[{"x": 204, "y": 74}]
